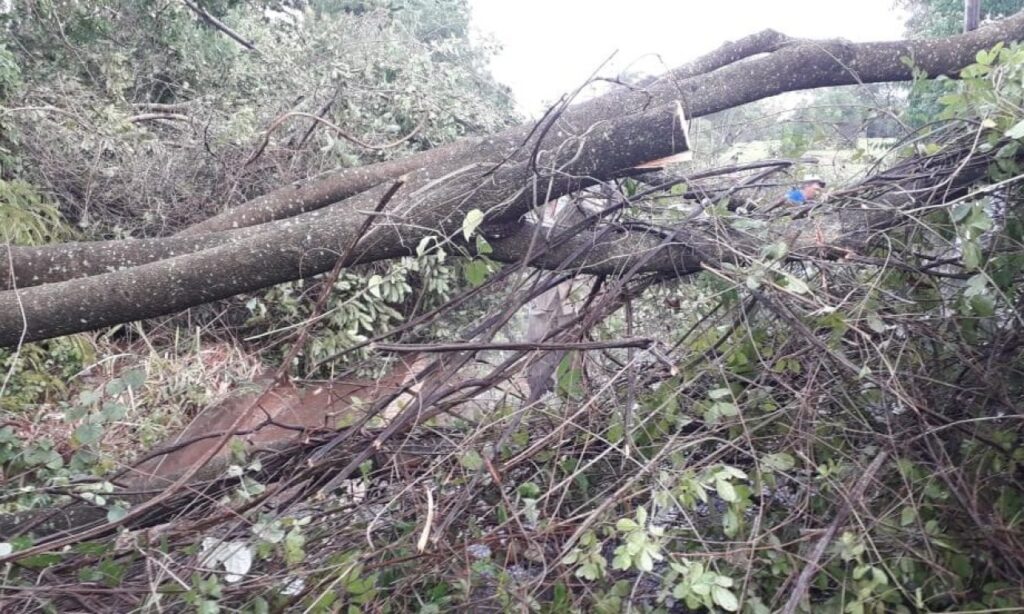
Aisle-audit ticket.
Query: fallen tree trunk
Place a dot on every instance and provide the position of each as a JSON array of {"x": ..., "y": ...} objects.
[
  {"x": 37, "y": 265},
  {"x": 505, "y": 179}
]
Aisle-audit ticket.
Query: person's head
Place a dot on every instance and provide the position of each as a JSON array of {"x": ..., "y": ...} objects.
[{"x": 812, "y": 187}]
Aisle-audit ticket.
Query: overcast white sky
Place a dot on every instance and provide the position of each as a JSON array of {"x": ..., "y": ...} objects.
[{"x": 551, "y": 46}]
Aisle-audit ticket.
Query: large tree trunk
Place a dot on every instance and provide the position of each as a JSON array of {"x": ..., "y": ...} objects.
[{"x": 504, "y": 176}]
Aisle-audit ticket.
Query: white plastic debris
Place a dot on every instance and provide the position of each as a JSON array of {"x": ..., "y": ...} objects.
[{"x": 234, "y": 556}]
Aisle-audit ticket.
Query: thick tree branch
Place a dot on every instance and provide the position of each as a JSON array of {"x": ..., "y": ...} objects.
[{"x": 37, "y": 265}]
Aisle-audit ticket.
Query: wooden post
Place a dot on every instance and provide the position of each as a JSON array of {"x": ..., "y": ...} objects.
[{"x": 972, "y": 14}]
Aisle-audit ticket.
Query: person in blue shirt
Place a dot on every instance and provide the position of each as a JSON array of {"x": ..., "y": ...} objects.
[{"x": 808, "y": 191}]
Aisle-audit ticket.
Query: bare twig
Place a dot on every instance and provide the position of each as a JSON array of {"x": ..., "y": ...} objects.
[
  {"x": 463, "y": 347},
  {"x": 220, "y": 25},
  {"x": 853, "y": 497}
]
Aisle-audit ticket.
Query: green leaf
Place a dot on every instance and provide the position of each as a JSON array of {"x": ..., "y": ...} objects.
[
  {"x": 482, "y": 246},
  {"x": 723, "y": 408},
  {"x": 976, "y": 285},
  {"x": 622, "y": 559},
  {"x": 88, "y": 433},
  {"x": 746, "y": 223},
  {"x": 1015, "y": 228},
  {"x": 795, "y": 285},
  {"x": 112, "y": 412},
  {"x": 472, "y": 221},
  {"x": 979, "y": 222},
  {"x": 907, "y": 516},
  {"x": 754, "y": 605},
  {"x": 726, "y": 490},
  {"x": 471, "y": 459},
  {"x": 961, "y": 565},
  {"x": 1009, "y": 150},
  {"x": 644, "y": 562},
  {"x": 960, "y": 211},
  {"x": 373, "y": 285},
  {"x": 626, "y": 525},
  {"x": 259, "y": 605},
  {"x": 983, "y": 305},
  {"x": 615, "y": 432},
  {"x": 294, "y": 546},
  {"x": 207, "y": 607},
  {"x": 569, "y": 378},
  {"x": 76, "y": 412},
  {"x": 529, "y": 490},
  {"x": 878, "y": 576},
  {"x": 134, "y": 378},
  {"x": 7, "y": 436},
  {"x": 115, "y": 386},
  {"x": 775, "y": 251},
  {"x": 561, "y": 597},
  {"x": 115, "y": 513},
  {"x": 720, "y": 393},
  {"x": 1017, "y": 131},
  {"x": 589, "y": 571},
  {"x": 779, "y": 461},
  {"x": 734, "y": 472},
  {"x": 725, "y": 598},
  {"x": 630, "y": 186},
  {"x": 40, "y": 561},
  {"x": 90, "y": 396},
  {"x": 476, "y": 272},
  {"x": 951, "y": 100}
]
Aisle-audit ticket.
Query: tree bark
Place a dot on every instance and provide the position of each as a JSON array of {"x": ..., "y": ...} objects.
[{"x": 504, "y": 177}]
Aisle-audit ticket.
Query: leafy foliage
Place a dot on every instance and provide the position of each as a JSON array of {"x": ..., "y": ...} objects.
[
  {"x": 933, "y": 18},
  {"x": 177, "y": 113}
]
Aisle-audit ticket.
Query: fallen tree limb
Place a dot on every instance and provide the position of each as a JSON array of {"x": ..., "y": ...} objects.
[
  {"x": 300, "y": 198},
  {"x": 544, "y": 347},
  {"x": 43, "y": 264},
  {"x": 868, "y": 62},
  {"x": 834, "y": 233}
]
